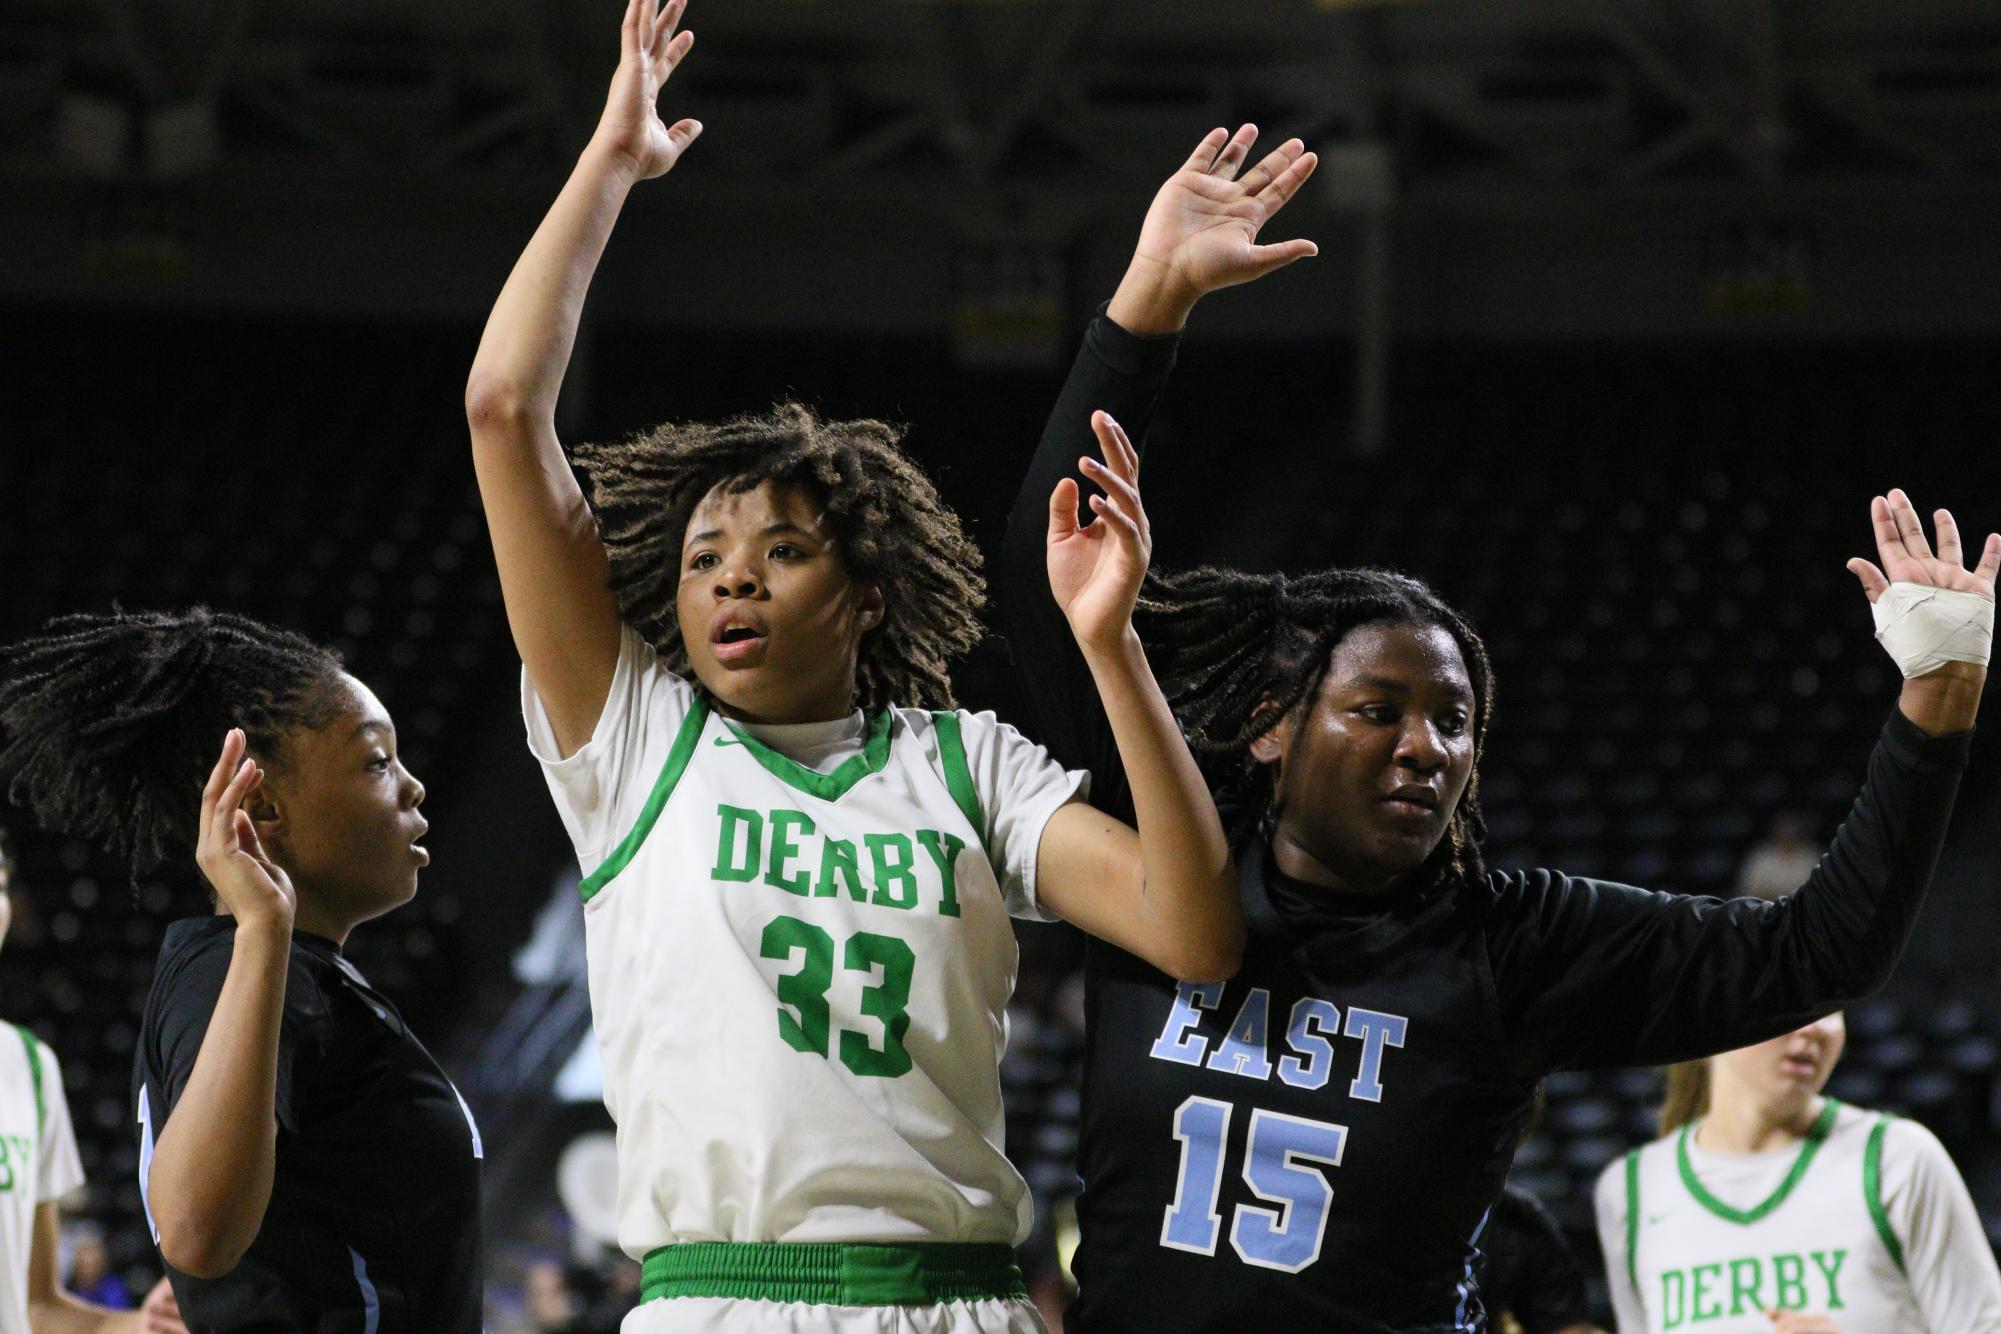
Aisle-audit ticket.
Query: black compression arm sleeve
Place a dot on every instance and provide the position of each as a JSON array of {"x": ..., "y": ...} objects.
[
  {"x": 1599, "y": 974},
  {"x": 1122, "y": 373}
]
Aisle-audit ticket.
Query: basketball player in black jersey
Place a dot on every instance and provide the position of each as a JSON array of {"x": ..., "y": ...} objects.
[{"x": 1317, "y": 1143}]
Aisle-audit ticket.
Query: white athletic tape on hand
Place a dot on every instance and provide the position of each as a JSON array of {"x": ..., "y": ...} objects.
[{"x": 1923, "y": 628}]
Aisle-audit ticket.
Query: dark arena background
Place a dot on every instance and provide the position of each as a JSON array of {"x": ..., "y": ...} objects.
[{"x": 1622, "y": 313}]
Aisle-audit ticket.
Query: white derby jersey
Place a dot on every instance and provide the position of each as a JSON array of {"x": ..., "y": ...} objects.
[
  {"x": 800, "y": 960},
  {"x": 1865, "y": 1221},
  {"x": 38, "y": 1159}
]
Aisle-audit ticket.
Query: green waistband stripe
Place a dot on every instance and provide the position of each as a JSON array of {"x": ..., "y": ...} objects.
[
  {"x": 656, "y": 801},
  {"x": 833, "y": 1273}
]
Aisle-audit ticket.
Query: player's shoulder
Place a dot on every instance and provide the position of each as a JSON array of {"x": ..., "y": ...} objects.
[
  {"x": 1613, "y": 1177},
  {"x": 1906, "y": 1144},
  {"x": 981, "y": 734},
  {"x": 30, "y": 1046},
  {"x": 970, "y": 724}
]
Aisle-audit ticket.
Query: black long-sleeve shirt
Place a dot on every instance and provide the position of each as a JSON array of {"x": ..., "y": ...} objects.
[{"x": 1318, "y": 1142}]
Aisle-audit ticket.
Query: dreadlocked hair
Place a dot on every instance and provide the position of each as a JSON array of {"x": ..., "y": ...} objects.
[
  {"x": 110, "y": 724},
  {"x": 890, "y": 528},
  {"x": 1238, "y": 652}
]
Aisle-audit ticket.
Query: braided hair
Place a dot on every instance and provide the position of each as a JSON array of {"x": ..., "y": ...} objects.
[
  {"x": 890, "y": 527},
  {"x": 1237, "y": 652},
  {"x": 110, "y": 724}
]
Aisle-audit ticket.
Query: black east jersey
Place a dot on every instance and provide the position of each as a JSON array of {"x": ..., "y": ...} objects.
[
  {"x": 373, "y": 1225},
  {"x": 1241, "y": 1139},
  {"x": 1316, "y": 1143}
]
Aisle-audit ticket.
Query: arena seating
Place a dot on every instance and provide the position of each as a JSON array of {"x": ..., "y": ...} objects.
[{"x": 1652, "y": 541}]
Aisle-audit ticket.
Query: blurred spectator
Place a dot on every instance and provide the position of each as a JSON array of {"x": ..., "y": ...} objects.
[
  {"x": 552, "y": 1307},
  {"x": 1782, "y": 862},
  {"x": 90, "y": 1273}
]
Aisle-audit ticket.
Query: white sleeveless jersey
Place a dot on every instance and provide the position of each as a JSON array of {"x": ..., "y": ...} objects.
[
  {"x": 38, "y": 1160},
  {"x": 1865, "y": 1221},
  {"x": 800, "y": 960}
]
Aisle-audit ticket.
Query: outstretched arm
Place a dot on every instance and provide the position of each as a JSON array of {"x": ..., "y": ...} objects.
[
  {"x": 1200, "y": 234},
  {"x": 553, "y": 571},
  {"x": 1598, "y": 974},
  {"x": 1166, "y": 893}
]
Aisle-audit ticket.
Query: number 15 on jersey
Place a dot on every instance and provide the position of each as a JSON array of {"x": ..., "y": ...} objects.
[{"x": 1280, "y": 1157}]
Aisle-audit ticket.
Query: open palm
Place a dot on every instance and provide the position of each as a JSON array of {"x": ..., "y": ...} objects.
[
  {"x": 1907, "y": 557},
  {"x": 251, "y": 886},
  {"x": 1202, "y": 228},
  {"x": 649, "y": 51},
  {"x": 1095, "y": 569}
]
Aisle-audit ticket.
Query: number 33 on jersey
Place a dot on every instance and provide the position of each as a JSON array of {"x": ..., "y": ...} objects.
[{"x": 800, "y": 959}]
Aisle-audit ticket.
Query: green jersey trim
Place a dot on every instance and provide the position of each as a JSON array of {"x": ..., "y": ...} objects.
[
  {"x": 834, "y": 1273},
  {"x": 34, "y": 1049},
  {"x": 1633, "y": 1219},
  {"x": 827, "y": 787},
  {"x": 1815, "y": 1137},
  {"x": 959, "y": 774},
  {"x": 656, "y": 801},
  {"x": 1872, "y": 1190}
]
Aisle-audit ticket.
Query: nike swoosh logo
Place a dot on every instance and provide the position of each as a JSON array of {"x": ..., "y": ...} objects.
[
  {"x": 1652, "y": 1219},
  {"x": 728, "y": 741}
]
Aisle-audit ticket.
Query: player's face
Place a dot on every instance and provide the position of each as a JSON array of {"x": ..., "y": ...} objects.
[
  {"x": 1789, "y": 1068},
  {"x": 341, "y": 814},
  {"x": 771, "y": 617},
  {"x": 1370, "y": 774}
]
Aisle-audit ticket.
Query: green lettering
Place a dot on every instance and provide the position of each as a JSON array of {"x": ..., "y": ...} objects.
[
  {"x": 6, "y": 1164},
  {"x": 944, "y": 850},
  {"x": 837, "y": 857},
  {"x": 892, "y": 870},
  {"x": 1698, "y": 1281},
  {"x": 783, "y": 850},
  {"x": 1740, "y": 1289},
  {"x": 1789, "y": 1272},
  {"x": 1828, "y": 1272},
  {"x": 727, "y": 865},
  {"x": 1674, "y": 1298}
]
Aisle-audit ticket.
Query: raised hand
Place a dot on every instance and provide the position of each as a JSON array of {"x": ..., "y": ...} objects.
[
  {"x": 1201, "y": 232},
  {"x": 1907, "y": 558},
  {"x": 1095, "y": 568},
  {"x": 649, "y": 51},
  {"x": 254, "y": 889}
]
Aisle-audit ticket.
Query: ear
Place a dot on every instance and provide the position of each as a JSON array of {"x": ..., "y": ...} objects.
[
  {"x": 1271, "y": 747},
  {"x": 870, "y": 607},
  {"x": 266, "y": 811}
]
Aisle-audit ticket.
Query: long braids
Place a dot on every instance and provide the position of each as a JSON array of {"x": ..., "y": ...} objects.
[
  {"x": 889, "y": 524},
  {"x": 110, "y": 724},
  {"x": 1237, "y": 652}
]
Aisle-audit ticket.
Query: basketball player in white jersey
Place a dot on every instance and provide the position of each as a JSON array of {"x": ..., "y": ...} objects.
[
  {"x": 799, "y": 859},
  {"x": 38, "y": 1166},
  {"x": 1769, "y": 1206}
]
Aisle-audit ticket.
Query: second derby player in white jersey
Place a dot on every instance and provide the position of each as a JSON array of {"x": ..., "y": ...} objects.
[
  {"x": 799, "y": 858},
  {"x": 1768, "y": 1207}
]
